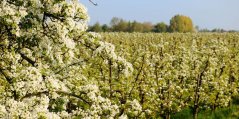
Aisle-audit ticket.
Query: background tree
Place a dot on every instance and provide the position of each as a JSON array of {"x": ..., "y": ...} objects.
[
  {"x": 105, "y": 28},
  {"x": 114, "y": 21},
  {"x": 147, "y": 26},
  {"x": 218, "y": 30},
  {"x": 118, "y": 24},
  {"x": 160, "y": 27},
  {"x": 122, "y": 26},
  {"x": 180, "y": 23},
  {"x": 136, "y": 27},
  {"x": 96, "y": 27},
  {"x": 197, "y": 29}
]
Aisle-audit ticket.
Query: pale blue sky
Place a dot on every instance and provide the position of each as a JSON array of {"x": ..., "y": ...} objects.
[{"x": 204, "y": 13}]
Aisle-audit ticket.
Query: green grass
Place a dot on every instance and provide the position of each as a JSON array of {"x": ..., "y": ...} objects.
[{"x": 220, "y": 113}]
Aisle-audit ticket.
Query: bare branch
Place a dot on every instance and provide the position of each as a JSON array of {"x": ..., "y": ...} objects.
[{"x": 93, "y": 3}]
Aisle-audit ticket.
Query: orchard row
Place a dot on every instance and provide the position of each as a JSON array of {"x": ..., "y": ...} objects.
[{"x": 176, "y": 71}]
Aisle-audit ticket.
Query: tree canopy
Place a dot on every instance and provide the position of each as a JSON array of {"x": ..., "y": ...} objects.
[
  {"x": 180, "y": 23},
  {"x": 48, "y": 64},
  {"x": 161, "y": 27},
  {"x": 96, "y": 27}
]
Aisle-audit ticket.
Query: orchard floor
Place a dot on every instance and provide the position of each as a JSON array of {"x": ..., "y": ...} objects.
[{"x": 223, "y": 113}]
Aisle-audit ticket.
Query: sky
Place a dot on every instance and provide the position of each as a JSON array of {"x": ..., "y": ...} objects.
[{"x": 204, "y": 13}]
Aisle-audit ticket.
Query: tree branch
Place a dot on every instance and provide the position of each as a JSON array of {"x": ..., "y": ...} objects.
[
  {"x": 137, "y": 77},
  {"x": 9, "y": 80},
  {"x": 33, "y": 63},
  {"x": 93, "y": 3},
  {"x": 59, "y": 92},
  {"x": 61, "y": 18},
  {"x": 75, "y": 63}
]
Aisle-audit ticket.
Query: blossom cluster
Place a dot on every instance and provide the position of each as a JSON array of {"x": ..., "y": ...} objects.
[{"x": 43, "y": 66}]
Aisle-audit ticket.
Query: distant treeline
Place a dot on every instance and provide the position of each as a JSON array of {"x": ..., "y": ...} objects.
[{"x": 178, "y": 23}]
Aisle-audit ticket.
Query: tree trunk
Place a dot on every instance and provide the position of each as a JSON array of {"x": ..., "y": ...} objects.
[
  {"x": 110, "y": 77},
  {"x": 195, "y": 112},
  {"x": 168, "y": 116}
]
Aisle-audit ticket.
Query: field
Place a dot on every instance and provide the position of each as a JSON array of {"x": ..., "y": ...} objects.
[
  {"x": 53, "y": 67},
  {"x": 193, "y": 74}
]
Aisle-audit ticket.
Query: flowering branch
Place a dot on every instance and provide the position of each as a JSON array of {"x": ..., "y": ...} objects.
[
  {"x": 33, "y": 63},
  {"x": 137, "y": 77},
  {"x": 9, "y": 80},
  {"x": 73, "y": 64},
  {"x": 59, "y": 92}
]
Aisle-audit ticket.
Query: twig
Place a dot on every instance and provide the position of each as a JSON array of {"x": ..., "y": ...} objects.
[{"x": 93, "y": 3}]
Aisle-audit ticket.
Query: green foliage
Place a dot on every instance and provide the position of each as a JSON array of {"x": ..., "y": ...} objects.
[
  {"x": 136, "y": 27},
  {"x": 118, "y": 24},
  {"x": 180, "y": 23},
  {"x": 105, "y": 28},
  {"x": 161, "y": 27},
  {"x": 222, "y": 113},
  {"x": 147, "y": 26},
  {"x": 96, "y": 27}
]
